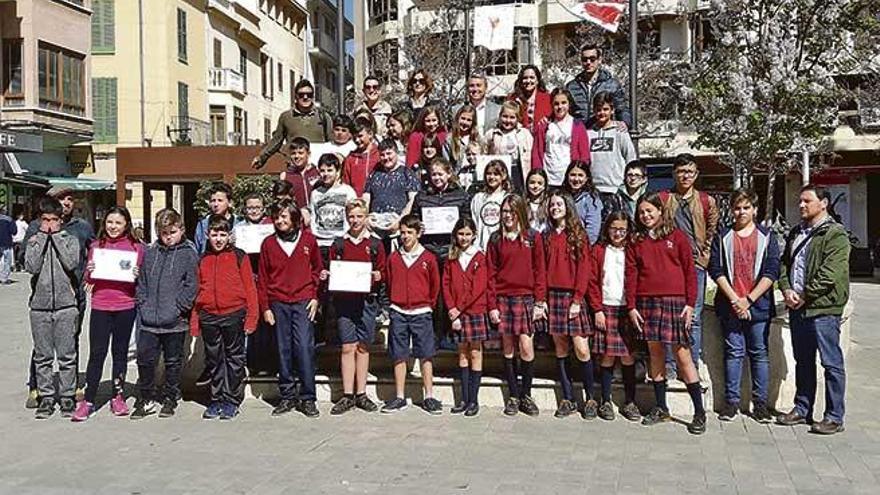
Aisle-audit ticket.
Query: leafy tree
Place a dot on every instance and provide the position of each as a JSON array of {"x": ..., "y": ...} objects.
[{"x": 242, "y": 187}]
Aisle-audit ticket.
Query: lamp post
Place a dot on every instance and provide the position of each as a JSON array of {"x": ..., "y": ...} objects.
[
  {"x": 634, "y": 69},
  {"x": 340, "y": 56}
]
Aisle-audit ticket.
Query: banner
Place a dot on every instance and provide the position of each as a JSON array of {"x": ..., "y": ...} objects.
[
  {"x": 493, "y": 27},
  {"x": 605, "y": 13}
]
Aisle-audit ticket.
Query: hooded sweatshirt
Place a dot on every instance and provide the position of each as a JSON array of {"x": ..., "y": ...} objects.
[
  {"x": 166, "y": 288},
  {"x": 52, "y": 259}
]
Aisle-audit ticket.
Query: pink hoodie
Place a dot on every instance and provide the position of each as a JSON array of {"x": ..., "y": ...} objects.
[{"x": 109, "y": 295}]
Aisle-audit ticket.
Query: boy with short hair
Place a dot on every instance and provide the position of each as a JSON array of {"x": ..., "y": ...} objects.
[
  {"x": 220, "y": 202},
  {"x": 361, "y": 162},
  {"x": 413, "y": 279},
  {"x": 300, "y": 173},
  {"x": 166, "y": 290},
  {"x": 343, "y": 131},
  {"x": 51, "y": 256}
]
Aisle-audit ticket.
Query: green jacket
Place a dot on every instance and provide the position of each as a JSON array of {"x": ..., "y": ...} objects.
[{"x": 826, "y": 288}]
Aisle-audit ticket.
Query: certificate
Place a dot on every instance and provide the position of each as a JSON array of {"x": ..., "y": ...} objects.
[
  {"x": 249, "y": 238},
  {"x": 114, "y": 264},
  {"x": 439, "y": 219},
  {"x": 350, "y": 276},
  {"x": 483, "y": 160}
]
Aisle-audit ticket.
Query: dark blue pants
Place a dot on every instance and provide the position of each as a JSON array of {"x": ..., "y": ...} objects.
[
  {"x": 149, "y": 347},
  {"x": 105, "y": 326},
  {"x": 296, "y": 347},
  {"x": 809, "y": 335},
  {"x": 741, "y": 337}
]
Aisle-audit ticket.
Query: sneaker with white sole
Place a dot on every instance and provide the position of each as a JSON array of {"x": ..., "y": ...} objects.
[
  {"x": 394, "y": 405},
  {"x": 84, "y": 411},
  {"x": 143, "y": 408},
  {"x": 118, "y": 406}
]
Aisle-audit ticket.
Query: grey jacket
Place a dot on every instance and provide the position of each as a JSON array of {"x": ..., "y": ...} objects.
[
  {"x": 167, "y": 287},
  {"x": 85, "y": 234},
  {"x": 52, "y": 259}
]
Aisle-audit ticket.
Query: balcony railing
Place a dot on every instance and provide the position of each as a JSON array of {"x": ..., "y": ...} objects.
[
  {"x": 324, "y": 42},
  {"x": 189, "y": 131},
  {"x": 225, "y": 80}
]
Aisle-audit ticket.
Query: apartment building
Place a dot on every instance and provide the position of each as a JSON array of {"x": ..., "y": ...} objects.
[{"x": 323, "y": 50}]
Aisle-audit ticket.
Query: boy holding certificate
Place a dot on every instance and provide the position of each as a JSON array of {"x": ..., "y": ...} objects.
[{"x": 356, "y": 312}]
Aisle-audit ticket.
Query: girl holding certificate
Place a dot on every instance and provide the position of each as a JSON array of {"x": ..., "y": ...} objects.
[{"x": 114, "y": 261}]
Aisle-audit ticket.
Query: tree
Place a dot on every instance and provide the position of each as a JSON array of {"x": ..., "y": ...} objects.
[{"x": 242, "y": 187}]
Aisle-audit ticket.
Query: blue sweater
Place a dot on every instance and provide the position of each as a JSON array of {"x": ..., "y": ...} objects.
[
  {"x": 766, "y": 265},
  {"x": 7, "y": 230}
]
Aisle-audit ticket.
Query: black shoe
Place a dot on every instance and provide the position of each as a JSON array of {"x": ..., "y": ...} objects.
[
  {"x": 792, "y": 418},
  {"x": 631, "y": 412},
  {"x": 45, "y": 409},
  {"x": 168, "y": 408},
  {"x": 761, "y": 413},
  {"x": 394, "y": 405},
  {"x": 591, "y": 410},
  {"x": 728, "y": 412},
  {"x": 698, "y": 425},
  {"x": 826, "y": 427},
  {"x": 432, "y": 406},
  {"x": 511, "y": 407},
  {"x": 342, "y": 406},
  {"x": 566, "y": 408},
  {"x": 459, "y": 408},
  {"x": 309, "y": 409},
  {"x": 142, "y": 409},
  {"x": 33, "y": 399},
  {"x": 606, "y": 411},
  {"x": 284, "y": 407},
  {"x": 67, "y": 406},
  {"x": 528, "y": 407},
  {"x": 656, "y": 415},
  {"x": 473, "y": 409},
  {"x": 204, "y": 379},
  {"x": 364, "y": 403}
]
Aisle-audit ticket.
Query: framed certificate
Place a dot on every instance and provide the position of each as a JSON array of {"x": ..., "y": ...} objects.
[
  {"x": 114, "y": 264},
  {"x": 350, "y": 276},
  {"x": 249, "y": 238},
  {"x": 483, "y": 160},
  {"x": 440, "y": 219}
]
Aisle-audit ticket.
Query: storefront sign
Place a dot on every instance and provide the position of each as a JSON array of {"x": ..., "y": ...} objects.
[{"x": 17, "y": 141}]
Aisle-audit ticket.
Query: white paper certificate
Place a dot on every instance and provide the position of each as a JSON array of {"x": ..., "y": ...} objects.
[
  {"x": 483, "y": 160},
  {"x": 249, "y": 238},
  {"x": 350, "y": 276},
  {"x": 440, "y": 219},
  {"x": 114, "y": 264}
]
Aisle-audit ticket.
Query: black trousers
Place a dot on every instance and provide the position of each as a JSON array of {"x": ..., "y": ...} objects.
[
  {"x": 224, "y": 345},
  {"x": 149, "y": 346},
  {"x": 108, "y": 331}
]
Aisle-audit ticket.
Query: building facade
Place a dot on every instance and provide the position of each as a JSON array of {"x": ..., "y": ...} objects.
[{"x": 323, "y": 51}]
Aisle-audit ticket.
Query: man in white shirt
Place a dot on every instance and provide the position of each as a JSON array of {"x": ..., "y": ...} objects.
[{"x": 487, "y": 110}]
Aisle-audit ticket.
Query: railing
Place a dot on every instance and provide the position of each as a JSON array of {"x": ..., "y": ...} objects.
[
  {"x": 189, "y": 131},
  {"x": 225, "y": 80}
]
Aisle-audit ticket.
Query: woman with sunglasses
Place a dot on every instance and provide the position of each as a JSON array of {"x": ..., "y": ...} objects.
[{"x": 418, "y": 91}]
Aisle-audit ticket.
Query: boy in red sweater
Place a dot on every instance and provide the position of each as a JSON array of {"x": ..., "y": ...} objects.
[
  {"x": 413, "y": 285},
  {"x": 287, "y": 285},
  {"x": 225, "y": 305},
  {"x": 359, "y": 164}
]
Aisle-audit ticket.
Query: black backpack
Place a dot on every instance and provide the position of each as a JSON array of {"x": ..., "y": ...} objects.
[{"x": 339, "y": 247}]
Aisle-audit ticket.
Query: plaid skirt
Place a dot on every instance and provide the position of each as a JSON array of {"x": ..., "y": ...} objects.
[
  {"x": 558, "y": 302},
  {"x": 516, "y": 316},
  {"x": 618, "y": 338},
  {"x": 474, "y": 328},
  {"x": 663, "y": 321}
]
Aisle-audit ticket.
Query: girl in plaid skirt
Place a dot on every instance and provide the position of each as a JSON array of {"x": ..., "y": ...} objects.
[
  {"x": 465, "y": 290},
  {"x": 614, "y": 337},
  {"x": 567, "y": 255},
  {"x": 517, "y": 297},
  {"x": 661, "y": 290}
]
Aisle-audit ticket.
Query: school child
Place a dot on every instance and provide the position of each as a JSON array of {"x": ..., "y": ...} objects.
[
  {"x": 560, "y": 140},
  {"x": 661, "y": 290},
  {"x": 429, "y": 124},
  {"x": 536, "y": 195},
  {"x": 343, "y": 137},
  {"x": 390, "y": 192},
  {"x": 327, "y": 205},
  {"x": 614, "y": 336},
  {"x": 579, "y": 185},
  {"x": 51, "y": 256},
  {"x": 611, "y": 148},
  {"x": 356, "y": 313},
  {"x": 220, "y": 203},
  {"x": 444, "y": 192},
  {"x": 281, "y": 190},
  {"x": 301, "y": 174},
  {"x": 287, "y": 285},
  {"x": 567, "y": 255},
  {"x": 517, "y": 297},
  {"x": 465, "y": 292},
  {"x": 467, "y": 173},
  {"x": 166, "y": 291},
  {"x": 486, "y": 205},
  {"x": 361, "y": 162},
  {"x": 398, "y": 129},
  {"x": 431, "y": 148},
  {"x": 224, "y": 311},
  {"x": 413, "y": 286},
  {"x": 509, "y": 138},
  {"x": 464, "y": 132},
  {"x": 113, "y": 313},
  {"x": 260, "y": 345}
]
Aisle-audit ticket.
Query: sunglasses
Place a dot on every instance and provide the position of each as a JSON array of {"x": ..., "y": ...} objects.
[
  {"x": 305, "y": 96},
  {"x": 371, "y": 86},
  {"x": 419, "y": 80},
  {"x": 589, "y": 59}
]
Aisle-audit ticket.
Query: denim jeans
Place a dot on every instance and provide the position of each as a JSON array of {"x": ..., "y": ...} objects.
[
  {"x": 822, "y": 334},
  {"x": 7, "y": 262},
  {"x": 696, "y": 327},
  {"x": 296, "y": 348},
  {"x": 741, "y": 337}
]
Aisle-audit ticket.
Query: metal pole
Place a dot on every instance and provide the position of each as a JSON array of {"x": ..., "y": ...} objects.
[
  {"x": 633, "y": 69},
  {"x": 805, "y": 167},
  {"x": 467, "y": 39},
  {"x": 340, "y": 55},
  {"x": 141, "y": 64}
]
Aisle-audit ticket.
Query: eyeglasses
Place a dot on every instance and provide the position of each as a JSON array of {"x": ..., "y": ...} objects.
[
  {"x": 371, "y": 86},
  {"x": 635, "y": 176},
  {"x": 618, "y": 231},
  {"x": 419, "y": 80},
  {"x": 305, "y": 96},
  {"x": 686, "y": 173},
  {"x": 591, "y": 58}
]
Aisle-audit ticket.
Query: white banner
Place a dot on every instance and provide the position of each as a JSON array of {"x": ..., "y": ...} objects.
[{"x": 493, "y": 27}]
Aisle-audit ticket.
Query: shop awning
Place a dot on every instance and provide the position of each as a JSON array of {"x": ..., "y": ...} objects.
[
  {"x": 82, "y": 184},
  {"x": 26, "y": 180}
]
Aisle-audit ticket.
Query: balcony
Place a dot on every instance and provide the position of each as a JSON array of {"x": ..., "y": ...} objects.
[
  {"x": 323, "y": 45},
  {"x": 225, "y": 80},
  {"x": 189, "y": 131}
]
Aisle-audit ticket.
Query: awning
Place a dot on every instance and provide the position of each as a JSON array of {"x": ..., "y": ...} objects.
[
  {"x": 26, "y": 180},
  {"x": 79, "y": 184}
]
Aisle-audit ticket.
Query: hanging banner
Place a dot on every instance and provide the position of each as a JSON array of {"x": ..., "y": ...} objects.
[
  {"x": 605, "y": 13},
  {"x": 493, "y": 27}
]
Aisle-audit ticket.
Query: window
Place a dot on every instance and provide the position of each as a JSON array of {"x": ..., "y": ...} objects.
[
  {"x": 508, "y": 62},
  {"x": 218, "y": 124},
  {"x": 244, "y": 136},
  {"x": 280, "y": 77},
  {"x": 238, "y": 126},
  {"x": 218, "y": 54},
  {"x": 382, "y": 11},
  {"x": 181, "y": 35},
  {"x": 383, "y": 61},
  {"x": 13, "y": 68},
  {"x": 242, "y": 67},
  {"x": 182, "y": 101},
  {"x": 61, "y": 77},
  {"x": 104, "y": 109},
  {"x": 266, "y": 76},
  {"x": 267, "y": 130},
  {"x": 292, "y": 84},
  {"x": 103, "y": 26}
]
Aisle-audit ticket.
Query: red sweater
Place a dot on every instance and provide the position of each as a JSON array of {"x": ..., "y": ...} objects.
[
  {"x": 225, "y": 286},
  {"x": 543, "y": 108},
  {"x": 467, "y": 290},
  {"x": 360, "y": 252},
  {"x": 303, "y": 182},
  {"x": 416, "y": 286},
  {"x": 414, "y": 147},
  {"x": 289, "y": 279},
  {"x": 594, "y": 293},
  {"x": 563, "y": 272},
  {"x": 660, "y": 267},
  {"x": 580, "y": 143},
  {"x": 516, "y": 268},
  {"x": 358, "y": 166}
]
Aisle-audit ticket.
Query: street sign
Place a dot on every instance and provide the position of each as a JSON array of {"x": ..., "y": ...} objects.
[{"x": 17, "y": 141}]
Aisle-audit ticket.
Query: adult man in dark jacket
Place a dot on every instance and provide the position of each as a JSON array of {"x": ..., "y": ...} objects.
[
  {"x": 593, "y": 80},
  {"x": 814, "y": 279},
  {"x": 8, "y": 229}
]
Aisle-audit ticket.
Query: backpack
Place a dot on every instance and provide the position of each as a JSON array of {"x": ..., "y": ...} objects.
[
  {"x": 239, "y": 256},
  {"x": 339, "y": 247},
  {"x": 704, "y": 202}
]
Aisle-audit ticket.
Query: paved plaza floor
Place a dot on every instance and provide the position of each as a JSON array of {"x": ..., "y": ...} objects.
[{"x": 414, "y": 453}]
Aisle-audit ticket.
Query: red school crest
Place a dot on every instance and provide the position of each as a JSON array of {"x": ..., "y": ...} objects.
[
  {"x": 669, "y": 244},
  {"x": 425, "y": 265},
  {"x": 306, "y": 250}
]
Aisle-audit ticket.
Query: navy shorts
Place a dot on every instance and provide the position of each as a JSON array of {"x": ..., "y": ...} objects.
[
  {"x": 411, "y": 330},
  {"x": 356, "y": 319}
]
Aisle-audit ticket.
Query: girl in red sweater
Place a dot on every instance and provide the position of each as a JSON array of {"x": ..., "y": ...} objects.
[
  {"x": 661, "y": 290},
  {"x": 517, "y": 297},
  {"x": 567, "y": 254},
  {"x": 614, "y": 337},
  {"x": 465, "y": 290},
  {"x": 429, "y": 124}
]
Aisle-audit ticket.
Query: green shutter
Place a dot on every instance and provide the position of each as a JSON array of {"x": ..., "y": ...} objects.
[
  {"x": 103, "y": 26},
  {"x": 104, "y": 109}
]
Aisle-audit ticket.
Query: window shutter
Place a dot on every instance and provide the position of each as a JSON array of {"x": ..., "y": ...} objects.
[
  {"x": 103, "y": 26},
  {"x": 104, "y": 109},
  {"x": 98, "y": 116},
  {"x": 111, "y": 106}
]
